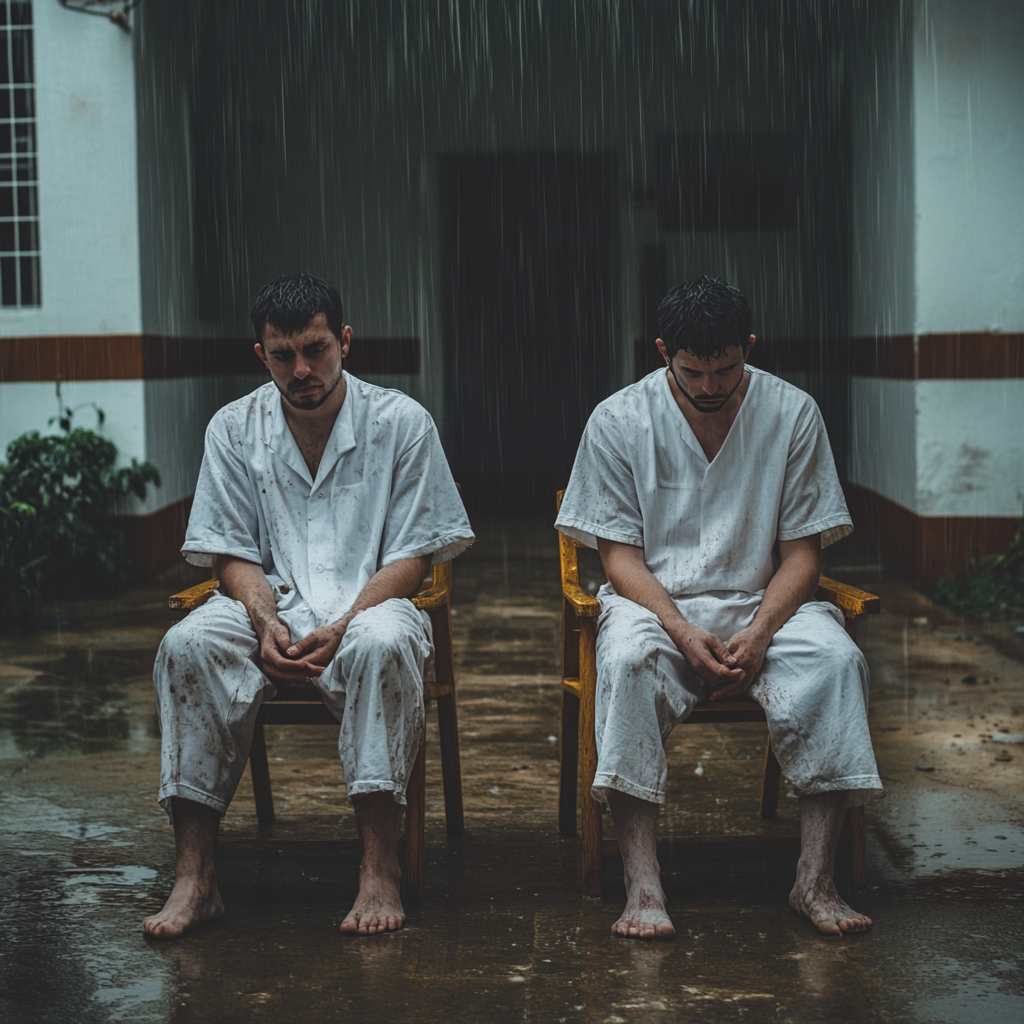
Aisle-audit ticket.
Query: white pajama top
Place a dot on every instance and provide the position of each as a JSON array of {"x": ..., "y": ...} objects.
[
  {"x": 642, "y": 478},
  {"x": 383, "y": 491}
]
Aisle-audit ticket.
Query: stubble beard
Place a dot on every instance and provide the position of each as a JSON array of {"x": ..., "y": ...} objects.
[
  {"x": 312, "y": 402},
  {"x": 700, "y": 408}
]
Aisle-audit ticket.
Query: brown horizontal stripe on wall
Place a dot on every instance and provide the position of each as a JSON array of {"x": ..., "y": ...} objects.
[
  {"x": 160, "y": 357},
  {"x": 75, "y": 357},
  {"x": 383, "y": 355},
  {"x": 974, "y": 356},
  {"x": 924, "y": 549},
  {"x": 776, "y": 355},
  {"x": 123, "y": 357}
]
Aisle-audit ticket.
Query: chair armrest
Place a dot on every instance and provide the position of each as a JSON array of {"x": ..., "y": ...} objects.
[
  {"x": 192, "y": 598},
  {"x": 432, "y": 597},
  {"x": 852, "y": 601},
  {"x": 585, "y": 606}
]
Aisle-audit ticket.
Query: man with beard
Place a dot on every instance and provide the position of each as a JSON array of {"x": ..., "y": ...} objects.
[
  {"x": 321, "y": 503},
  {"x": 709, "y": 490}
]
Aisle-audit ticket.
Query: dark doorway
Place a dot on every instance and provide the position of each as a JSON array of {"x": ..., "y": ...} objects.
[{"x": 530, "y": 317}]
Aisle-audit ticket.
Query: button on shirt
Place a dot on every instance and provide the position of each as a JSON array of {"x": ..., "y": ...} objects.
[
  {"x": 642, "y": 478},
  {"x": 383, "y": 492}
]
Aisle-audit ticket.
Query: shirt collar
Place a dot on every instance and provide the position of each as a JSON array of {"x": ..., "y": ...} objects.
[
  {"x": 342, "y": 439},
  {"x": 282, "y": 442}
]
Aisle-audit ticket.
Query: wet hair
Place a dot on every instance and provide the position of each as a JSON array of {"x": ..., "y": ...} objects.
[
  {"x": 291, "y": 302},
  {"x": 704, "y": 316}
]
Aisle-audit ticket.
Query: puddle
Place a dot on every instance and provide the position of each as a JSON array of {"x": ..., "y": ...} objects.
[
  {"x": 80, "y": 701},
  {"x": 943, "y": 829},
  {"x": 37, "y": 814},
  {"x": 977, "y": 997}
]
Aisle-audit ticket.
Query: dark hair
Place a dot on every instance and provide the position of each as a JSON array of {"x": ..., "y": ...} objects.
[
  {"x": 291, "y": 302},
  {"x": 704, "y": 316}
]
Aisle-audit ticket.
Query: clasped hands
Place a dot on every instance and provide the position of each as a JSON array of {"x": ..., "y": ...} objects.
[
  {"x": 296, "y": 662},
  {"x": 731, "y": 667}
]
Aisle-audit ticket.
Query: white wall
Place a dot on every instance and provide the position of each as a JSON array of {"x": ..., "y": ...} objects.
[
  {"x": 970, "y": 447},
  {"x": 29, "y": 405},
  {"x": 88, "y": 196},
  {"x": 939, "y": 129},
  {"x": 940, "y": 447},
  {"x": 883, "y": 438},
  {"x": 969, "y": 165}
]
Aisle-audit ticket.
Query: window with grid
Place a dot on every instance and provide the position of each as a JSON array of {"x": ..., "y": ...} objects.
[{"x": 19, "y": 206}]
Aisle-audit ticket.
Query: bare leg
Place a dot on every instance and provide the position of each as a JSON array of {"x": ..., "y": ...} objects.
[
  {"x": 194, "y": 900},
  {"x": 378, "y": 906},
  {"x": 814, "y": 894},
  {"x": 636, "y": 825}
]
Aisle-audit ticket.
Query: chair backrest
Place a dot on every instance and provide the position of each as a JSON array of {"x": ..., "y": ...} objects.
[{"x": 567, "y": 550}]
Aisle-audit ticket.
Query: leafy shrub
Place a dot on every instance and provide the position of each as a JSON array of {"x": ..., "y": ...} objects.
[
  {"x": 57, "y": 536},
  {"x": 997, "y": 588}
]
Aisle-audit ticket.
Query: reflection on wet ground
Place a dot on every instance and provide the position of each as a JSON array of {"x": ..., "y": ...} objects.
[{"x": 503, "y": 933}]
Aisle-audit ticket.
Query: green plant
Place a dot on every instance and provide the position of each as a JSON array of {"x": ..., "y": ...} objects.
[
  {"x": 57, "y": 536},
  {"x": 997, "y": 588}
]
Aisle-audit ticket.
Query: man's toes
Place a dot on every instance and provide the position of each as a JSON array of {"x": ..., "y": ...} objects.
[{"x": 828, "y": 926}]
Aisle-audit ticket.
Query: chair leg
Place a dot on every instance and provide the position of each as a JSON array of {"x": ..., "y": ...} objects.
[
  {"x": 568, "y": 763},
  {"x": 590, "y": 816},
  {"x": 451, "y": 765},
  {"x": 447, "y": 721},
  {"x": 260, "y": 769},
  {"x": 858, "y": 849},
  {"x": 415, "y": 821},
  {"x": 770, "y": 786}
]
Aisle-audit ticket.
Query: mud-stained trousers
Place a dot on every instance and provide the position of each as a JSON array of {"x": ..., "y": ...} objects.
[
  {"x": 209, "y": 688},
  {"x": 813, "y": 687}
]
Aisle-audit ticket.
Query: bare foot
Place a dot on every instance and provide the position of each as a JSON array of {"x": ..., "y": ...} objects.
[
  {"x": 378, "y": 907},
  {"x": 645, "y": 916},
  {"x": 192, "y": 902},
  {"x": 817, "y": 899}
]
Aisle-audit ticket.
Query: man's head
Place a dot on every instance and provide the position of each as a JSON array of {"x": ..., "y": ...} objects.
[
  {"x": 301, "y": 337},
  {"x": 704, "y": 336}
]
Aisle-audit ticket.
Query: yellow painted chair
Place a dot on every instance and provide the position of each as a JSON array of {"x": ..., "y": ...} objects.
[
  {"x": 301, "y": 705},
  {"x": 578, "y": 751}
]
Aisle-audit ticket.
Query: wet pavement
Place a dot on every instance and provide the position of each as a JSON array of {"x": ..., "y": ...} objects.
[{"x": 503, "y": 933}]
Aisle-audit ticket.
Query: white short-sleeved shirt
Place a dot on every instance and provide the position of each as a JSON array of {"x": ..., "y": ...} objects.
[
  {"x": 642, "y": 478},
  {"x": 383, "y": 491}
]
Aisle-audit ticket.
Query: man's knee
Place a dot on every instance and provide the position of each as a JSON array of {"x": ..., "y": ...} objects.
[
  {"x": 841, "y": 659},
  {"x": 179, "y": 652},
  {"x": 197, "y": 645},
  {"x": 386, "y": 633},
  {"x": 836, "y": 670},
  {"x": 624, "y": 659}
]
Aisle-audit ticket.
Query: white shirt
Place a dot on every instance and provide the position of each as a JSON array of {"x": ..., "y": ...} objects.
[
  {"x": 642, "y": 478},
  {"x": 383, "y": 491}
]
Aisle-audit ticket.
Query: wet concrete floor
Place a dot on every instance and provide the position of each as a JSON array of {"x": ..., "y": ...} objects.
[{"x": 503, "y": 933}]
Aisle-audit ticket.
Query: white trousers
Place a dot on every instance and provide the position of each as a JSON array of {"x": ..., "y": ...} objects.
[
  {"x": 209, "y": 688},
  {"x": 813, "y": 688}
]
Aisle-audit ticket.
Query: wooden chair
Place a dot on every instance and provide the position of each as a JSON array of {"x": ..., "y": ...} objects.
[
  {"x": 301, "y": 705},
  {"x": 578, "y": 752}
]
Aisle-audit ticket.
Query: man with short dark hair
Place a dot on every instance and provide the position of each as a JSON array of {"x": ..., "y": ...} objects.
[
  {"x": 322, "y": 502},
  {"x": 709, "y": 490}
]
